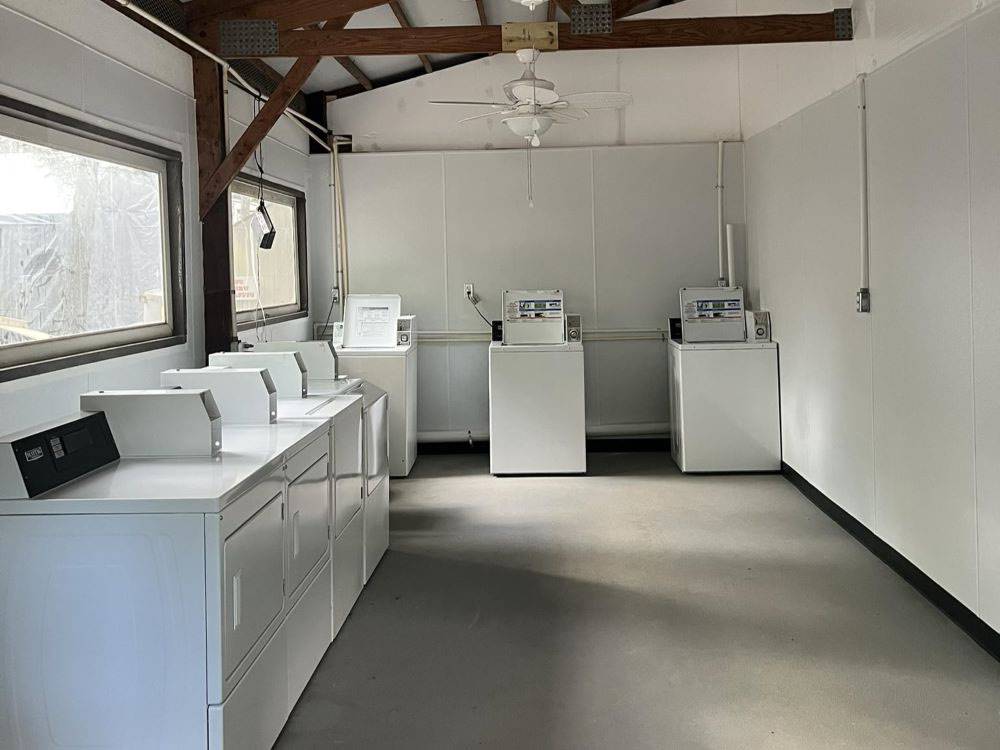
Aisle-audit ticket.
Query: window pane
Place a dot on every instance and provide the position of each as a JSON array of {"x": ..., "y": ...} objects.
[
  {"x": 264, "y": 278},
  {"x": 81, "y": 244}
]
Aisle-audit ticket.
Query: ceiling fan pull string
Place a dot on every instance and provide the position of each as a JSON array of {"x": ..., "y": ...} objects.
[{"x": 531, "y": 196}]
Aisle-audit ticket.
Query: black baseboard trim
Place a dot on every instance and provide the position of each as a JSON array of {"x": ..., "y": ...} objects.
[
  {"x": 454, "y": 446},
  {"x": 594, "y": 445},
  {"x": 965, "y": 618}
]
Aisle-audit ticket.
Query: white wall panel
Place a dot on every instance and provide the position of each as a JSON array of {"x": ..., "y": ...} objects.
[
  {"x": 395, "y": 224},
  {"x": 112, "y": 91},
  {"x": 497, "y": 241},
  {"x": 633, "y": 389},
  {"x": 21, "y": 40},
  {"x": 838, "y": 339},
  {"x": 935, "y": 205},
  {"x": 493, "y": 239},
  {"x": 468, "y": 387},
  {"x": 433, "y": 408},
  {"x": 803, "y": 203},
  {"x": 775, "y": 165},
  {"x": 984, "y": 113},
  {"x": 778, "y": 80},
  {"x": 103, "y": 29},
  {"x": 922, "y": 372},
  {"x": 652, "y": 237}
]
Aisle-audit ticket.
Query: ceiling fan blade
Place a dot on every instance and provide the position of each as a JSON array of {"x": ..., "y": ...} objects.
[
  {"x": 501, "y": 105},
  {"x": 488, "y": 114},
  {"x": 598, "y": 99},
  {"x": 567, "y": 114}
]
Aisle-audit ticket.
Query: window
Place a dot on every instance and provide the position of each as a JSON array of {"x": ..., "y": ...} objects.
[
  {"x": 87, "y": 245},
  {"x": 269, "y": 283}
]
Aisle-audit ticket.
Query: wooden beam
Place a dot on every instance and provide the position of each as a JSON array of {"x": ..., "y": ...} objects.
[
  {"x": 550, "y": 11},
  {"x": 404, "y": 22},
  {"x": 217, "y": 278},
  {"x": 481, "y": 9},
  {"x": 624, "y": 8},
  {"x": 258, "y": 129},
  {"x": 675, "y": 32},
  {"x": 359, "y": 75},
  {"x": 406, "y": 75},
  {"x": 290, "y": 14}
]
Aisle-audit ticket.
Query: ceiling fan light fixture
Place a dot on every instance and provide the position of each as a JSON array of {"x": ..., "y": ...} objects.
[
  {"x": 530, "y": 4},
  {"x": 529, "y": 126}
]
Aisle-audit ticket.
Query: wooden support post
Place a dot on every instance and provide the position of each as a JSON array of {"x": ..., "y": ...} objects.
[
  {"x": 215, "y": 186},
  {"x": 220, "y": 298}
]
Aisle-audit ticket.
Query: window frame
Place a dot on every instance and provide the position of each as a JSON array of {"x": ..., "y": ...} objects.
[
  {"x": 37, "y": 357},
  {"x": 248, "y": 320}
]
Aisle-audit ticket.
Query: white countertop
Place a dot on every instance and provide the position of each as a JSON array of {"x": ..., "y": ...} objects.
[
  {"x": 179, "y": 485},
  {"x": 314, "y": 407},
  {"x": 330, "y": 387}
]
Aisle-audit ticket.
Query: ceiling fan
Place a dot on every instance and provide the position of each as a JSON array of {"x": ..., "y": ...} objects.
[{"x": 533, "y": 105}]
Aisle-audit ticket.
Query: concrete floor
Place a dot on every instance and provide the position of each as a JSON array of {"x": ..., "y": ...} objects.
[{"x": 636, "y": 608}]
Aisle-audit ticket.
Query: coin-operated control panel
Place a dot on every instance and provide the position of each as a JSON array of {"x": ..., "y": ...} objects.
[
  {"x": 42, "y": 458},
  {"x": 712, "y": 314},
  {"x": 533, "y": 317}
]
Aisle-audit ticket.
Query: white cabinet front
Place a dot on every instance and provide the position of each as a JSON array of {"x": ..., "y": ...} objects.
[
  {"x": 309, "y": 521},
  {"x": 252, "y": 572}
]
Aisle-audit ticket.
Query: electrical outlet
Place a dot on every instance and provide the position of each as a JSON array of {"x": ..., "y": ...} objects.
[
  {"x": 334, "y": 295},
  {"x": 470, "y": 293}
]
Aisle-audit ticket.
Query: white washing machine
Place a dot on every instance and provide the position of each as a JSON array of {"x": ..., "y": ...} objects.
[
  {"x": 537, "y": 413},
  {"x": 394, "y": 370},
  {"x": 724, "y": 411}
]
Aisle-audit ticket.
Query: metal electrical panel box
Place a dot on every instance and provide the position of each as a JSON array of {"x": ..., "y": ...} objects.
[
  {"x": 712, "y": 315},
  {"x": 533, "y": 317}
]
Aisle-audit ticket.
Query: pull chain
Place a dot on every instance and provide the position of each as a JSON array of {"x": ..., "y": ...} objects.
[{"x": 531, "y": 196}]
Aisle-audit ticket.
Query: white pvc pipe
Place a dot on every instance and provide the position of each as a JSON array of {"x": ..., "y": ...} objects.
[
  {"x": 337, "y": 197},
  {"x": 292, "y": 114},
  {"x": 719, "y": 189},
  {"x": 863, "y": 172},
  {"x": 731, "y": 254}
]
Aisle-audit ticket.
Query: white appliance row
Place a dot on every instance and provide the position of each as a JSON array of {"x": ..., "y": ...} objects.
[{"x": 184, "y": 601}]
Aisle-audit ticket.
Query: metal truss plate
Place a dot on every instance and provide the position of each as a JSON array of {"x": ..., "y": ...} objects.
[
  {"x": 248, "y": 38},
  {"x": 591, "y": 19},
  {"x": 843, "y": 25}
]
